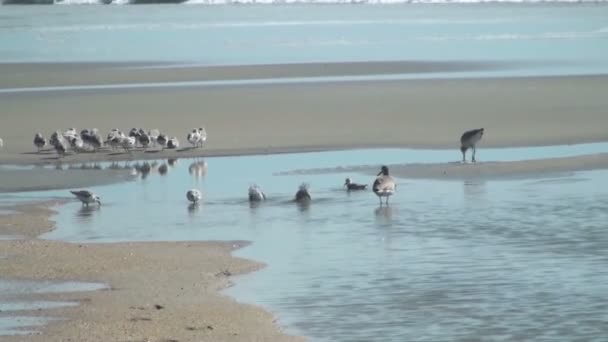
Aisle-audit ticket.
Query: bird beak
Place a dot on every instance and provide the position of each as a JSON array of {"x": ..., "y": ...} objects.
[{"x": 379, "y": 173}]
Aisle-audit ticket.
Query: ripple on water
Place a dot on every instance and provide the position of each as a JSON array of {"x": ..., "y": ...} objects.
[{"x": 507, "y": 260}]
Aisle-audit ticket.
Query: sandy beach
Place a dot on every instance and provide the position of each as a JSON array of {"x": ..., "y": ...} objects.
[
  {"x": 158, "y": 291},
  {"x": 248, "y": 119},
  {"x": 273, "y": 118}
]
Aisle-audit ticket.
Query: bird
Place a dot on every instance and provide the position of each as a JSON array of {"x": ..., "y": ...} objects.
[
  {"x": 194, "y": 138},
  {"x": 86, "y": 197},
  {"x": 256, "y": 194},
  {"x": 194, "y": 195},
  {"x": 144, "y": 140},
  {"x": 39, "y": 141},
  {"x": 1, "y": 143},
  {"x": 303, "y": 196},
  {"x": 76, "y": 143},
  {"x": 468, "y": 140},
  {"x": 384, "y": 185},
  {"x": 60, "y": 148},
  {"x": 173, "y": 143},
  {"x": 348, "y": 183},
  {"x": 129, "y": 143},
  {"x": 162, "y": 140},
  {"x": 70, "y": 133}
]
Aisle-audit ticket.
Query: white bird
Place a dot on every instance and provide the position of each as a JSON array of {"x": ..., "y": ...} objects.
[
  {"x": 194, "y": 195},
  {"x": 256, "y": 194},
  {"x": 194, "y": 138},
  {"x": 153, "y": 134},
  {"x": 86, "y": 197},
  {"x": 70, "y": 133},
  {"x": 384, "y": 185},
  {"x": 198, "y": 169},
  {"x": 128, "y": 143},
  {"x": 468, "y": 140}
]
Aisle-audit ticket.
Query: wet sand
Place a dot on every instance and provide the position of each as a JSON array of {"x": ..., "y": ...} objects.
[
  {"x": 477, "y": 171},
  {"x": 158, "y": 291},
  {"x": 272, "y": 118},
  {"x": 39, "y": 179}
]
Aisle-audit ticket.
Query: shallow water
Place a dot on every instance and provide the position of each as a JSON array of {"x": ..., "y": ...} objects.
[
  {"x": 14, "y": 307},
  {"x": 533, "y": 39},
  {"x": 506, "y": 260}
]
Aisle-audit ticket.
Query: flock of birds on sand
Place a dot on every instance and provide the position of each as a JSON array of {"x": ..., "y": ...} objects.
[
  {"x": 384, "y": 186},
  {"x": 90, "y": 140}
]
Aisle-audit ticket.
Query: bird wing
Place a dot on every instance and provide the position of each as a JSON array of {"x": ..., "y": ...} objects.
[
  {"x": 384, "y": 183},
  {"x": 82, "y": 193}
]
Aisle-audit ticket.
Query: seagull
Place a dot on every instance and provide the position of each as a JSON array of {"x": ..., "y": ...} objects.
[
  {"x": 39, "y": 141},
  {"x": 348, "y": 183},
  {"x": 128, "y": 143},
  {"x": 194, "y": 138},
  {"x": 162, "y": 140},
  {"x": 256, "y": 194},
  {"x": 193, "y": 195},
  {"x": 303, "y": 196},
  {"x": 144, "y": 140},
  {"x": 70, "y": 133},
  {"x": 56, "y": 138},
  {"x": 153, "y": 134},
  {"x": 173, "y": 143},
  {"x": 468, "y": 140},
  {"x": 86, "y": 197},
  {"x": 384, "y": 185}
]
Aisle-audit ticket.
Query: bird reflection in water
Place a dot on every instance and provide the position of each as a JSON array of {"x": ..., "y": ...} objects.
[
  {"x": 193, "y": 208},
  {"x": 384, "y": 213},
  {"x": 198, "y": 169},
  {"x": 85, "y": 213}
]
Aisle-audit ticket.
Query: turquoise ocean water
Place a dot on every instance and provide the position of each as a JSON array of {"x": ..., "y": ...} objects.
[{"x": 532, "y": 38}]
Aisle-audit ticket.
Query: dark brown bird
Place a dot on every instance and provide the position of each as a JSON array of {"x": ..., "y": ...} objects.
[
  {"x": 350, "y": 186},
  {"x": 468, "y": 140}
]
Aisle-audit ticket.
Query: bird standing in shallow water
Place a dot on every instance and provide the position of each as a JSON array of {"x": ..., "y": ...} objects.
[
  {"x": 86, "y": 197},
  {"x": 194, "y": 195},
  {"x": 303, "y": 196},
  {"x": 256, "y": 194},
  {"x": 350, "y": 186},
  {"x": 468, "y": 140},
  {"x": 384, "y": 185}
]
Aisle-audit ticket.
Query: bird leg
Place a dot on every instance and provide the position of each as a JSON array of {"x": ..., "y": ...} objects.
[
  {"x": 464, "y": 154},
  {"x": 473, "y": 159}
]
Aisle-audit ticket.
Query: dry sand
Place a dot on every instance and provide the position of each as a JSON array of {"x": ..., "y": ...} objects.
[
  {"x": 274, "y": 118},
  {"x": 158, "y": 291}
]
